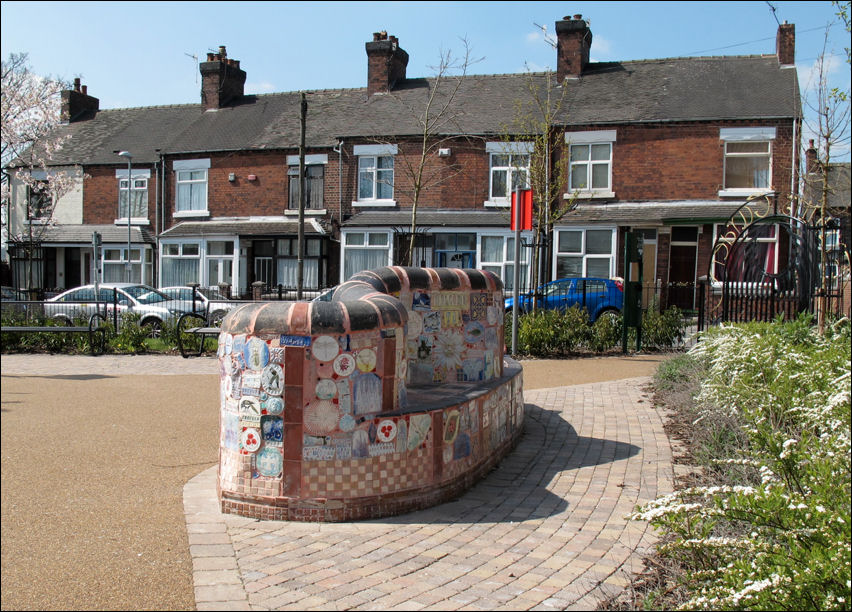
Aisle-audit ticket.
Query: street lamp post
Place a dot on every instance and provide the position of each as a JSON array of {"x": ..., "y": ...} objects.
[{"x": 128, "y": 269}]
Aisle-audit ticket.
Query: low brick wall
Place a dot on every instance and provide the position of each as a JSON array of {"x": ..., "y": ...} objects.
[{"x": 393, "y": 396}]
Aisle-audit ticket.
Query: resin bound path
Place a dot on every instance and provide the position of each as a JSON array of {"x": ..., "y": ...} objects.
[{"x": 91, "y": 520}]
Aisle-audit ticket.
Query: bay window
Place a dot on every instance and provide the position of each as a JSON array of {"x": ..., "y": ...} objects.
[
  {"x": 180, "y": 264},
  {"x": 585, "y": 253},
  {"x": 364, "y": 251},
  {"x": 497, "y": 255}
]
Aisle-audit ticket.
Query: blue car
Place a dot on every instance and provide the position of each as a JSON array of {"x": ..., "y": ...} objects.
[{"x": 598, "y": 296}]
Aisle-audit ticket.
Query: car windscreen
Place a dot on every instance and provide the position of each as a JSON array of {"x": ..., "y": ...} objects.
[{"x": 146, "y": 295}]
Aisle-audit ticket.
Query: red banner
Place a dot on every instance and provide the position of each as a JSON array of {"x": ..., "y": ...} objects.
[{"x": 526, "y": 210}]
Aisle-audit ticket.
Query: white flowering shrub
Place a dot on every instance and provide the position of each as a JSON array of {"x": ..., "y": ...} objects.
[{"x": 780, "y": 538}]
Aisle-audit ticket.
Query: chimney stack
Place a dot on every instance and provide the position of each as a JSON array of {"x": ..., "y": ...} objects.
[
  {"x": 785, "y": 44},
  {"x": 386, "y": 63},
  {"x": 77, "y": 104},
  {"x": 222, "y": 80},
  {"x": 573, "y": 41},
  {"x": 811, "y": 159}
]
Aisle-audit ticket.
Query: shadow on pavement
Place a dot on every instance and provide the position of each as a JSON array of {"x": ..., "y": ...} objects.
[{"x": 517, "y": 488}]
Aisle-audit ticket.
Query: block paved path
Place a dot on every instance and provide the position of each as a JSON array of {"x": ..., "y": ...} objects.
[{"x": 545, "y": 530}]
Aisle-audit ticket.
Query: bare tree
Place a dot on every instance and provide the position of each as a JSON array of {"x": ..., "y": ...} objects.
[
  {"x": 437, "y": 123},
  {"x": 537, "y": 119},
  {"x": 30, "y": 116},
  {"x": 830, "y": 108}
]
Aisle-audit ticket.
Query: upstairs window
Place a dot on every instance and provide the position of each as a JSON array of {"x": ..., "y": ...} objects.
[
  {"x": 748, "y": 160},
  {"x": 509, "y": 168},
  {"x": 39, "y": 201},
  {"x": 314, "y": 180},
  {"x": 590, "y": 163},
  {"x": 138, "y": 197},
  {"x": 375, "y": 174},
  {"x": 191, "y": 186}
]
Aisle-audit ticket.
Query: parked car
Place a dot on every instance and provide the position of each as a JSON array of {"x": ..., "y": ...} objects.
[
  {"x": 208, "y": 301},
  {"x": 10, "y": 299},
  {"x": 598, "y": 296},
  {"x": 153, "y": 306}
]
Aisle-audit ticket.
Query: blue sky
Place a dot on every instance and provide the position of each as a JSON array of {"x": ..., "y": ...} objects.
[{"x": 139, "y": 53}]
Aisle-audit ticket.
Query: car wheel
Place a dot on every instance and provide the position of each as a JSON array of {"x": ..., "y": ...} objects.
[{"x": 155, "y": 327}]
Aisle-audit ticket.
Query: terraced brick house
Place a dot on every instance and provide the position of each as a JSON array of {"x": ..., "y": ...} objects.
[{"x": 667, "y": 147}]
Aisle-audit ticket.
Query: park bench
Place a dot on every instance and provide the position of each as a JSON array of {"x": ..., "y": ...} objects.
[
  {"x": 95, "y": 329},
  {"x": 193, "y": 329}
]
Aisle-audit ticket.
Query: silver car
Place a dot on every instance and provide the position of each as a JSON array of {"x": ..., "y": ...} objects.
[
  {"x": 208, "y": 301},
  {"x": 153, "y": 306}
]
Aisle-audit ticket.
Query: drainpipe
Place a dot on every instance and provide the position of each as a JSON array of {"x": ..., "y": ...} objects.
[{"x": 339, "y": 150}]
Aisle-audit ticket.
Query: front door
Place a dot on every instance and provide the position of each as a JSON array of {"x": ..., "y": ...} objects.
[
  {"x": 72, "y": 267},
  {"x": 683, "y": 257}
]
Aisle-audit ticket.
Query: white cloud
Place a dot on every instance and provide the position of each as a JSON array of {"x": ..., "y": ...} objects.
[{"x": 534, "y": 37}]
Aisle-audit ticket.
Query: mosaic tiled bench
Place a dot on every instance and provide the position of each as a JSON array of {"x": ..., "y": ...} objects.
[{"x": 393, "y": 396}]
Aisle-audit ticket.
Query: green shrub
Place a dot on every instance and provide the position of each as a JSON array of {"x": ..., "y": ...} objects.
[
  {"x": 774, "y": 533},
  {"x": 662, "y": 329},
  {"x": 538, "y": 332},
  {"x": 572, "y": 329},
  {"x": 131, "y": 335},
  {"x": 605, "y": 334}
]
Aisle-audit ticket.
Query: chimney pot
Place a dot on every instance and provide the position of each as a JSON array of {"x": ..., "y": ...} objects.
[
  {"x": 76, "y": 84},
  {"x": 222, "y": 51},
  {"x": 577, "y": 17},
  {"x": 85, "y": 90},
  {"x": 209, "y": 57}
]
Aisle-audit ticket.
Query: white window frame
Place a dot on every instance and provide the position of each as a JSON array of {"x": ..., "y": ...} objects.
[
  {"x": 191, "y": 165},
  {"x": 348, "y": 243},
  {"x": 582, "y": 252},
  {"x": 513, "y": 150},
  {"x": 589, "y": 139},
  {"x": 740, "y": 135},
  {"x": 180, "y": 244},
  {"x": 508, "y": 258},
  {"x": 135, "y": 176},
  {"x": 374, "y": 152},
  {"x": 293, "y": 174}
]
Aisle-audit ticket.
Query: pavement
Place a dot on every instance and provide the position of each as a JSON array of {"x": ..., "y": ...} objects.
[{"x": 545, "y": 530}]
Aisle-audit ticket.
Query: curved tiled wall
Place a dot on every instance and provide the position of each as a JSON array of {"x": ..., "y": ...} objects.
[{"x": 392, "y": 396}]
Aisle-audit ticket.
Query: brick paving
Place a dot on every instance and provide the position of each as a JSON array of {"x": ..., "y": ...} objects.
[{"x": 545, "y": 530}]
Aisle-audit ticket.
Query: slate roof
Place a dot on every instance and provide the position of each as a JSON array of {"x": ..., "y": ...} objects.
[
  {"x": 611, "y": 93},
  {"x": 240, "y": 227},
  {"x": 650, "y": 213},
  {"x": 110, "y": 234}
]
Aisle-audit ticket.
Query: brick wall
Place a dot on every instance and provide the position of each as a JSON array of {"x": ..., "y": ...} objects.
[
  {"x": 657, "y": 162},
  {"x": 100, "y": 193}
]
